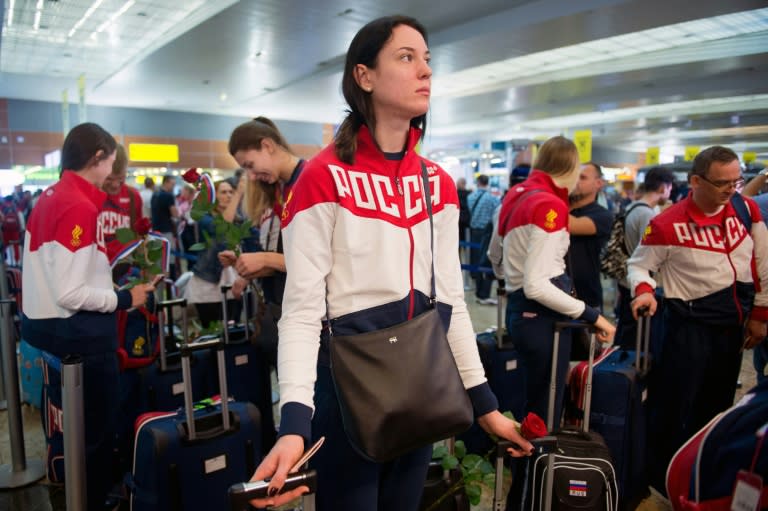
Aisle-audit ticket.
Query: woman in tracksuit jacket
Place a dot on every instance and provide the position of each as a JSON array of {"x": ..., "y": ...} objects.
[
  {"x": 530, "y": 246},
  {"x": 69, "y": 302},
  {"x": 357, "y": 248}
]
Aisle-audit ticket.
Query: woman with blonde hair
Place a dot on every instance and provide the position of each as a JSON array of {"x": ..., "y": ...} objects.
[{"x": 529, "y": 249}]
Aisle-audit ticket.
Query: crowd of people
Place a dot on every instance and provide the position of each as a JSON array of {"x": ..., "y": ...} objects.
[{"x": 332, "y": 261}]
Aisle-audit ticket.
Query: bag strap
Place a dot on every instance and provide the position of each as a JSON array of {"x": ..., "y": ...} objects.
[
  {"x": 474, "y": 206},
  {"x": 624, "y": 220},
  {"x": 428, "y": 198},
  {"x": 742, "y": 211}
]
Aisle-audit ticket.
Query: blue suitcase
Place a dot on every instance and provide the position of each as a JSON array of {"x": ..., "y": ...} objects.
[
  {"x": 505, "y": 377},
  {"x": 248, "y": 370},
  {"x": 187, "y": 460},
  {"x": 31, "y": 374}
]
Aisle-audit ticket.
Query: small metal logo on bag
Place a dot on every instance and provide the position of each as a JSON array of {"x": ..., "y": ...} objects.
[{"x": 393, "y": 339}]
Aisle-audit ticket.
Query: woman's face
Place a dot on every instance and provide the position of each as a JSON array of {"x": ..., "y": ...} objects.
[
  {"x": 401, "y": 82},
  {"x": 258, "y": 164},
  {"x": 572, "y": 178},
  {"x": 224, "y": 194}
]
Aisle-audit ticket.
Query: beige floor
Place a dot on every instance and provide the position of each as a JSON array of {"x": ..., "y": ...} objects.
[{"x": 36, "y": 498}]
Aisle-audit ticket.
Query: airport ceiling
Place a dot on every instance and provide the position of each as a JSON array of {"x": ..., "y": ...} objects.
[{"x": 638, "y": 73}]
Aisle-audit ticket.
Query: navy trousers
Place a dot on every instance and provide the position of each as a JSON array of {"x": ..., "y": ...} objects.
[
  {"x": 532, "y": 329},
  {"x": 694, "y": 381},
  {"x": 349, "y": 482}
]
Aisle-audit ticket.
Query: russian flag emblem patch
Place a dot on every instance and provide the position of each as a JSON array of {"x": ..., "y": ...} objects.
[{"x": 577, "y": 488}]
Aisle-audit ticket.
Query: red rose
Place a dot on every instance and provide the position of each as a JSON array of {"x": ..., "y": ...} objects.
[
  {"x": 191, "y": 176},
  {"x": 533, "y": 427},
  {"x": 142, "y": 226}
]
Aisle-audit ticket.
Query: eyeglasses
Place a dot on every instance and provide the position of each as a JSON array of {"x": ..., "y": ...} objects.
[{"x": 725, "y": 184}]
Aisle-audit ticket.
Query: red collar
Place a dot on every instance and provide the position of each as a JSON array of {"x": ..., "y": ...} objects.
[
  {"x": 71, "y": 179},
  {"x": 540, "y": 179}
]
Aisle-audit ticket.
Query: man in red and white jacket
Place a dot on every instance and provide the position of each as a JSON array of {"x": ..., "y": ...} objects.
[{"x": 710, "y": 251}]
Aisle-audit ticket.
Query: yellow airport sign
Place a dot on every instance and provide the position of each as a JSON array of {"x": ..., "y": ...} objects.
[{"x": 161, "y": 153}]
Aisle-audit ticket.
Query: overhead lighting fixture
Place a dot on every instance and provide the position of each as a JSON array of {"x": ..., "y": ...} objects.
[
  {"x": 729, "y": 35},
  {"x": 127, "y": 5},
  {"x": 701, "y": 106},
  {"x": 87, "y": 15},
  {"x": 38, "y": 15},
  {"x": 10, "y": 12}
]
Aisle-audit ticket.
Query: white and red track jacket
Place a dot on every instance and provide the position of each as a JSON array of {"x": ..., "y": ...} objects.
[
  {"x": 358, "y": 235},
  {"x": 120, "y": 210},
  {"x": 66, "y": 270},
  {"x": 531, "y": 242},
  {"x": 709, "y": 264}
]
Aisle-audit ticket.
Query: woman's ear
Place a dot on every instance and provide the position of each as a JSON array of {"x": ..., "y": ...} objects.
[
  {"x": 363, "y": 77},
  {"x": 268, "y": 145}
]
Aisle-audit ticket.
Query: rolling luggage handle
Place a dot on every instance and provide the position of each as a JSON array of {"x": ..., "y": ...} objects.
[
  {"x": 169, "y": 305},
  {"x": 501, "y": 293},
  {"x": 644, "y": 332},
  {"x": 186, "y": 352},
  {"x": 225, "y": 312},
  {"x": 559, "y": 327},
  {"x": 241, "y": 493}
]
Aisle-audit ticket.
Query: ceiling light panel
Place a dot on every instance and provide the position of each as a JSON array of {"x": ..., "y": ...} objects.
[
  {"x": 92, "y": 37},
  {"x": 718, "y": 37}
]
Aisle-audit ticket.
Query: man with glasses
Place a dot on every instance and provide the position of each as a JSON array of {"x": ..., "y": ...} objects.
[{"x": 705, "y": 248}]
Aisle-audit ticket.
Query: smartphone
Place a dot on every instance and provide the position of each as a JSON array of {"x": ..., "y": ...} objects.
[{"x": 307, "y": 455}]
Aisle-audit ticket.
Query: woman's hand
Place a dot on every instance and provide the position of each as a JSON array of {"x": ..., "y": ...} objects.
[
  {"x": 227, "y": 258},
  {"x": 238, "y": 287},
  {"x": 604, "y": 330},
  {"x": 140, "y": 293},
  {"x": 494, "y": 422},
  {"x": 251, "y": 265},
  {"x": 283, "y": 456}
]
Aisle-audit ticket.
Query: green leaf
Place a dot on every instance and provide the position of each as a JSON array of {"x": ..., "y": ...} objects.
[
  {"x": 245, "y": 229},
  {"x": 450, "y": 462},
  {"x": 125, "y": 235},
  {"x": 472, "y": 461},
  {"x": 460, "y": 449},
  {"x": 439, "y": 452},
  {"x": 474, "y": 492},
  {"x": 486, "y": 468},
  {"x": 490, "y": 480},
  {"x": 197, "y": 247},
  {"x": 509, "y": 415}
]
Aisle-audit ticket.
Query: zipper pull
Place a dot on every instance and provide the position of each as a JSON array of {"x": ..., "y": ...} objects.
[{"x": 399, "y": 186}]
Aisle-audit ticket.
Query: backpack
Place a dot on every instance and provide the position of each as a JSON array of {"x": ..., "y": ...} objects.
[{"x": 613, "y": 262}]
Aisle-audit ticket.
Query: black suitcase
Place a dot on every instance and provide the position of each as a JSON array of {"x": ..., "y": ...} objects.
[
  {"x": 579, "y": 474},
  {"x": 505, "y": 376}
]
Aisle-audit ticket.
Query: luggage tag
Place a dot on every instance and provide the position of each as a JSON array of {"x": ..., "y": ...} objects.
[
  {"x": 749, "y": 484},
  {"x": 746, "y": 495}
]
